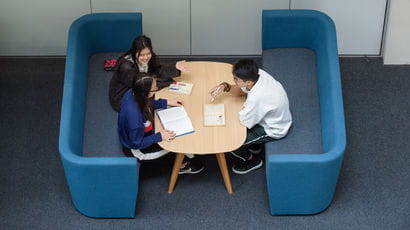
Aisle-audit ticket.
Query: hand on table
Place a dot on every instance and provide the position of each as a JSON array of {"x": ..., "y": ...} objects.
[
  {"x": 167, "y": 135},
  {"x": 182, "y": 67},
  {"x": 174, "y": 102}
]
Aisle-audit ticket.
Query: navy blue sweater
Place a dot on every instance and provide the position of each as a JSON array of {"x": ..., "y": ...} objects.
[{"x": 134, "y": 130}]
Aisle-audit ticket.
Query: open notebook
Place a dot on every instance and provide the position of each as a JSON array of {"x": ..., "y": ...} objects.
[{"x": 175, "y": 119}]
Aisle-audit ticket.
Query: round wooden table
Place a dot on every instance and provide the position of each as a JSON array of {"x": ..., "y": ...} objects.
[{"x": 206, "y": 139}]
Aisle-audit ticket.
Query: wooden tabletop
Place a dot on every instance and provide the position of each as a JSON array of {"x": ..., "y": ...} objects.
[{"x": 205, "y": 139}]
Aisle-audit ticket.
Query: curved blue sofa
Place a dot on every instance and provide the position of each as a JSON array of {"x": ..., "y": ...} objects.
[
  {"x": 304, "y": 182},
  {"x": 99, "y": 186}
]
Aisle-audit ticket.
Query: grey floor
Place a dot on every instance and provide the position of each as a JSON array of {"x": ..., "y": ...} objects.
[{"x": 373, "y": 191}]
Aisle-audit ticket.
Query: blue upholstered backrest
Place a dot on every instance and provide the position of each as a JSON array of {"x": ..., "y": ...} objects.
[
  {"x": 316, "y": 31},
  {"x": 99, "y": 186},
  {"x": 90, "y": 34}
]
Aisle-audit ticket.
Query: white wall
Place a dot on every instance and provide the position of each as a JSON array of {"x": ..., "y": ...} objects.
[
  {"x": 185, "y": 27},
  {"x": 229, "y": 27},
  {"x": 359, "y": 23},
  {"x": 37, "y": 27},
  {"x": 166, "y": 22},
  {"x": 397, "y": 39}
]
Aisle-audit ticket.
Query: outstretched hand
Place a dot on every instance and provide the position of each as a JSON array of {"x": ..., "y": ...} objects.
[
  {"x": 215, "y": 91},
  {"x": 181, "y": 66}
]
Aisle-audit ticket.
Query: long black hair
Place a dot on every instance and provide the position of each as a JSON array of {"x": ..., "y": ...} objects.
[
  {"x": 141, "y": 87},
  {"x": 140, "y": 43}
]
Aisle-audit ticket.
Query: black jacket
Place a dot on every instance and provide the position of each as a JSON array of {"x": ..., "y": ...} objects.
[{"x": 124, "y": 72}]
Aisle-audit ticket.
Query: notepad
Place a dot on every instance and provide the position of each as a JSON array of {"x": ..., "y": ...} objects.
[
  {"x": 214, "y": 115},
  {"x": 176, "y": 119},
  {"x": 180, "y": 87}
]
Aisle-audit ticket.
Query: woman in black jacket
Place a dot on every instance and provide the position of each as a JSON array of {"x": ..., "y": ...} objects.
[{"x": 142, "y": 58}]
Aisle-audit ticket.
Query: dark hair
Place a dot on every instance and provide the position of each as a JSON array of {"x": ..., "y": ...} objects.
[
  {"x": 246, "y": 69},
  {"x": 141, "y": 87},
  {"x": 140, "y": 43}
]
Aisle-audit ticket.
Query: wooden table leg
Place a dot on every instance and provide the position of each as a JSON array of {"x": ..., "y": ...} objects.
[
  {"x": 174, "y": 175},
  {"x": 224, "y": 170}
]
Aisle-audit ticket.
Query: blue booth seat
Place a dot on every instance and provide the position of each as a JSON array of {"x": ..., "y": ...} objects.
[
  {"x": 304, "y": 181},
  {"x": 99, "y": 186}
]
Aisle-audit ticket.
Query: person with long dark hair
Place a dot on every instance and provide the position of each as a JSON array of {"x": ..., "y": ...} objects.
[
  {"x": 136, "y": 119},
  {"x": 141, "y": 58}
]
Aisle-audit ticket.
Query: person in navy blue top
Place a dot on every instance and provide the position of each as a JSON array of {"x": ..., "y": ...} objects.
[{"x": 136, "y": 119}]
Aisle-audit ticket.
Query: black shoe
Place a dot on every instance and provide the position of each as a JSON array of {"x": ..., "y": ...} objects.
[
  {"x": 247, "y": 166},
  {"x": 192, "y": 167}
]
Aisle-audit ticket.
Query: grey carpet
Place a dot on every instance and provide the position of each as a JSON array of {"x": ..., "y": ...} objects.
[{"x": 373, "y": 191}]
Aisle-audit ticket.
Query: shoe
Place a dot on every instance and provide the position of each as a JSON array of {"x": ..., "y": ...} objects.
[
  {"x": 192, "y": 167},
  {"x": 247, "y": 166}
]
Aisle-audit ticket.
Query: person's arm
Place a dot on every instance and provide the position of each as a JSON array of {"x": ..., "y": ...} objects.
[
  {"x": 121, "y": 81},
  {"x": 163, "y": 72},
  {"x": 225, "y": 87},
  {"x": 181, "y": 66},
  {"x": 170, "y": 71},
  {"x": 139, "y": 141},
  {"x": 126, "y": 73},
  {"x": 136, "y": 131},
  {"x": 236, "y": 90},
  {"x": 163, "y": 103},
  {"x": 252, "y": 113},
  {"x": 159, "y": 104}
]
